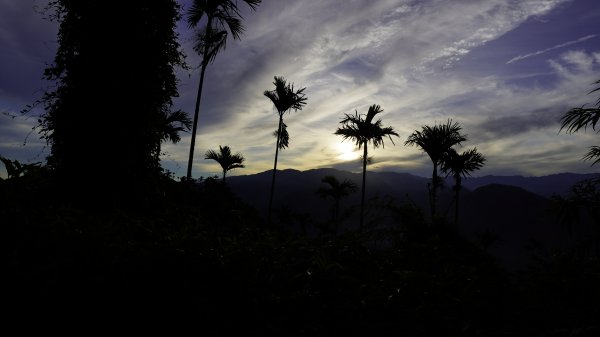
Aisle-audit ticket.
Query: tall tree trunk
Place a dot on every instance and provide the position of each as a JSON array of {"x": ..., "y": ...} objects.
[
  {"x": 458, "y": 185},
  {"x": 362, "y": 198},
  {"x": 198, "y": 98},
  {"x": 274, "y": 170},
  {"x": 224, "y": 175},
  {"x": 433, "y": 192},
  {"x": 336, "y": 216}
]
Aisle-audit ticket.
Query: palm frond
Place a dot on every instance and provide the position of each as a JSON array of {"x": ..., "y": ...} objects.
[
  {"x": 173, "y": 123},
  {"x": 209, "y": 43},
  {"x": 362, "y": 131},
  {"x": 284, "y": 140},
  {"x": 593, "y": 154},
  {"x": 455, "y": 164},
  {"x": 580, "y": 118},
  {"x": 336, "y": 189},
  {"x": 196, "y": 13},
  {"x": 225, "y": 158},
  {"x": 437, "y": 139},
  {"x": 284, "y": 97},
  {"x": 233, "y": 23},
  {"x": 252, "y": 3}
]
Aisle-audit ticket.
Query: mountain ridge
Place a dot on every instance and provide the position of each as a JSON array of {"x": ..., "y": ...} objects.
[
  {"x": 546, "y": 185},
  {"x": 519, "y": 210}
]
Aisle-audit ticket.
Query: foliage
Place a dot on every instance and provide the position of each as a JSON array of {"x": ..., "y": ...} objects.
[
  {"x": 436, "y": 140},
  {"x": 106, "y": 118},
  {"x": 284, "y": 140},
  {"x": 336, "y": 191},
  {"x": 362, "y": 131},
  {"x": 284, "y": 99},
  {"x": 459, "y": 166},
  {"x": 200, "y": 255},
  {"x": 15, "y": 169},
  {"x": 222, "y": 17},
  {"x": 226, "y": 159},
  {"x": 581, "y": 118}
]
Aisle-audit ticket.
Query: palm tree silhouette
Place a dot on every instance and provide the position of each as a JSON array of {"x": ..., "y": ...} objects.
[
  {"x": 284, "y": 99},
  {"x": 459, "y": 166},
  {"x": 222, "y": 17},
  {"x": 363, "y": 131},
  {"x": 336, "y": 191},
  {"x": 171, "y": 124},
  {"x": 580, "y": 118},
  {"x": 227, "y": 160},
  {"x": 436, "y": 141}
]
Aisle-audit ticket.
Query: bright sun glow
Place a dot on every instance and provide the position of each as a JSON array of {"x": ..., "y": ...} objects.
[{"x": 345, "y": 151}]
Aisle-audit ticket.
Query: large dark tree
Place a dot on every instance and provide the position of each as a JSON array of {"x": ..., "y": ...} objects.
[
  {"x": 109, "y": 107},
  {"x": 221, "y": 18},
  {"x": 363, "y": 130}
]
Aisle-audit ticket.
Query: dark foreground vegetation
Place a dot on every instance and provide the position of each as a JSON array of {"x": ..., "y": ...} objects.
[{"x": 195, "y": 254}]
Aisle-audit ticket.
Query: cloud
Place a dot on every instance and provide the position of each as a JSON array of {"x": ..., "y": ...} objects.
[
  {"x": 562, "y": 45},
  {"x": 422, "y": 61}
]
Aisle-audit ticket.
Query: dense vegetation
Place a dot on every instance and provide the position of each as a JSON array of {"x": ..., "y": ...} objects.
[
  {"x": 199, "y": 255},
  {"x": 190, "y": 252}
]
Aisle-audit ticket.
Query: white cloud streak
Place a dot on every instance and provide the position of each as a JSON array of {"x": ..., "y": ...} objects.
[{"x": 562, "y": 45}]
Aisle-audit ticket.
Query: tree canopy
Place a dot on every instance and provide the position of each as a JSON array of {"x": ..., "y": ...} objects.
[{"x": 109, "y": 108}]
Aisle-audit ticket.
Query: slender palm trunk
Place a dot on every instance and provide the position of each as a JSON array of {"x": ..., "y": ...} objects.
[
  {"x": 195, "y": 126},
  {"x": 336, "y": 215},
  {"x": 224, "y": 175},
  {"x": 197, "y": 108},
  {"x": 274, "y": 170},
  {"x": 458, "y": 185},
  {"x": 433, "y": 192},
  {"x": 362, "y": 198}
]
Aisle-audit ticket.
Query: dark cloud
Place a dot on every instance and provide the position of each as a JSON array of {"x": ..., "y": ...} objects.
[{"x": 507, "y": 126}]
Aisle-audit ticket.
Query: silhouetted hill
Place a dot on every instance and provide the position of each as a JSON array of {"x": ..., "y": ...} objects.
[
  {"x": 296, "y": 190},
  {"x": 294, "y": 185},
  {"x": 545, "y": 186},
  {"x": 517, "y": 217},
  {"x": 517, "y": 210}
]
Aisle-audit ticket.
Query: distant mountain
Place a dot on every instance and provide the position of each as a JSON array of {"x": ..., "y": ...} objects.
[
  {"x": 296, "y": 190},
  {"x": 518, "y": 218},
  {"x": 545, "y": 186},
  {"x": 516, "y": 209},
  {"x": 293, "y": 185}
]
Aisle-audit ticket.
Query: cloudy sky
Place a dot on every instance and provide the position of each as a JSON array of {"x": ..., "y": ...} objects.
[{"x": 506, "y": 70}]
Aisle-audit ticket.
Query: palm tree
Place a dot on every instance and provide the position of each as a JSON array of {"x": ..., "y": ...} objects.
[
  {"x": 436, "y": 141},
  {"x": 459, "y": 166},
  {"x": 222, "y": 17},
  {"x": 227, "y": 160},
  {"x": 362, "y": 130},
  {"x": 336, "y": 191},
  {"x": 284, "y": 99},
  {"x": 171, "y": 124},
  {"x": 580, "y": 118}
]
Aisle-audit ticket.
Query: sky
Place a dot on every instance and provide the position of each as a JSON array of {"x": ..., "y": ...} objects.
[{"x": 505, "y": 70}]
